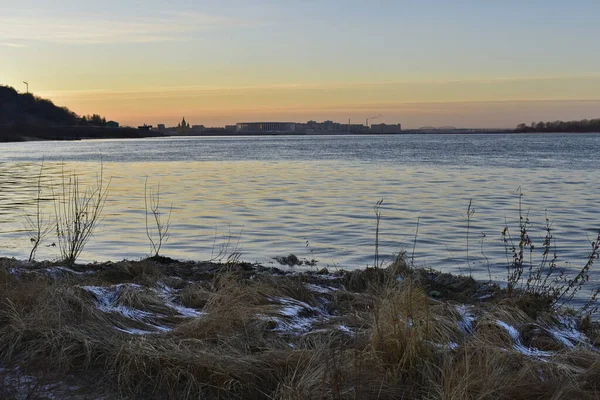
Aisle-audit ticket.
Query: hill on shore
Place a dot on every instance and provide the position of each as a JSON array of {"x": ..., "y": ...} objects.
[
  {"x": 24, "y": 116},
  {"x": 25, "y": 108}
]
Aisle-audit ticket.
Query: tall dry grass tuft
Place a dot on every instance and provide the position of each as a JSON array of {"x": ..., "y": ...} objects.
[
  {"x": 187, "y": 369},
  {"x": 145, "y": 272},
  {"x": 195, "y": 295},
  {"x": 480, "y": 371},
  {"x": 404, "y": 334},
  {"x": 326, "y": 372},
  {"x": 375, "y": 279},
  {"x": 484, "y": 373},
  {"x": 51, "y": 324},
  {"x": 236, "y": 313},
  {"x": 5, "y": 277},
  {"x": 142, "y": 298}
]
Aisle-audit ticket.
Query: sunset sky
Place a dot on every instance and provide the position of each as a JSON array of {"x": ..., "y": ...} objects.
[{"x": 467, "y": 63}]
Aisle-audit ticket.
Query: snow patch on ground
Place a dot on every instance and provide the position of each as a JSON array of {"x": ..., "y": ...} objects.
[
  {"x": 444, "y": 347},
  {"x": 512, "y": 331},
  {"x": 320, "y": 289},
  {"x": 291, "y": 307},
  {"x": 328, "y": 277},
  {"x": 167, "y": 293},
  {"x": 107, "y": 301},
  {"x": 467, "y": 318},
  {"x": 107, "y": 296},
  {"x": 293, "y": 321},
  {"x": 58, "y": 271},
  {"x": 568, "y": 334},
  {"x": 518, "y": 345},
  {"x": 134, "y": 331},
  {"x": 54, "y": 272},
  {"x": 345, "y": 329}
]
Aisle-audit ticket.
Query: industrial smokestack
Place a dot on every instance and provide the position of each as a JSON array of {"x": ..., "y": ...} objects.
[{"x": 372, "y": 118}]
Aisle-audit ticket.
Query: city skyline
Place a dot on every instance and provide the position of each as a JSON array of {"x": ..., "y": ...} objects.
[{"x": 432, "y": 63}]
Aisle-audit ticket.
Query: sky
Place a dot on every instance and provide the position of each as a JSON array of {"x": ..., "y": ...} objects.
[{"x": 464, "y": 63}]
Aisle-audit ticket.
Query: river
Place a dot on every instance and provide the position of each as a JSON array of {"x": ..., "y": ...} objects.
[{"x": 314, "y": 196}]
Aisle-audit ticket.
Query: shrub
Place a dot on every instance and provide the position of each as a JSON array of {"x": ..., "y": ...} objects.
[{"x": 77, "y": 211}]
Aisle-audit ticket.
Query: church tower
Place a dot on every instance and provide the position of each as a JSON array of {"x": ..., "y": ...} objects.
[{"x": 183, "y": 126}]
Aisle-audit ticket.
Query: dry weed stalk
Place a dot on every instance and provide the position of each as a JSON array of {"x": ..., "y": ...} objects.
[
  {"x": 377, "y": 210},
  {"x": 228, "y": 249},
  {"x": 38, "y": 227},
  {"x": 78, "y": 211},
  {"x": 152, "y": 207},
  {"x": 546, "y": 284},
  {"x": 470, "y": 212}
]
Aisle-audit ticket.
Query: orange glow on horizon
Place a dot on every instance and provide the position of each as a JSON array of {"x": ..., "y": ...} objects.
[{"x": 500, "y": 103}]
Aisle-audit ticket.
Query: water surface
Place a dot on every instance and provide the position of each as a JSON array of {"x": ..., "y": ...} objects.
[{"x": 314, "y": 195}]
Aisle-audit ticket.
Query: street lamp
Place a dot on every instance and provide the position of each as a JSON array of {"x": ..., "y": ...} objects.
[{"x": 27, "y": 84}]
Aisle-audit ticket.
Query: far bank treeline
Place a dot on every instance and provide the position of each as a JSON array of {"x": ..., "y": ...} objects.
[
  {"x": 25, "y": 116},
  {"x": 585, "y": 125}
]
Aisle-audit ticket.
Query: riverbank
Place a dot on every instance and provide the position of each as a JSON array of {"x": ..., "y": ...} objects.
[
  {"x": 41, "y": 133},
  {"x": 161, "y": 328},
  {"x": 80, "y": 133}
]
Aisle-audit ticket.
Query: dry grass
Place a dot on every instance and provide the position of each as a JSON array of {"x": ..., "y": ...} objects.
[
  {"x": 194, "y": 295},
  {"x": 141, "y": 272},
  {"x": 396, "y": 341}
]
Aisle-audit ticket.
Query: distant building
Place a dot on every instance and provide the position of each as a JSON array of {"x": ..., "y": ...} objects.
[
  {"x": 145, "y": 128},
  {"x": 265, "y": 127},
  {"x": 112, "y": 124},
  {"x": 160, "y": 128},
  {"x": 183, "y": 127},
  {"x": 385, "y": 128},
  {"x": 195, "y": 130},
  {"x": 230, "y": 128},
  {"x": 357, "y": 128}
]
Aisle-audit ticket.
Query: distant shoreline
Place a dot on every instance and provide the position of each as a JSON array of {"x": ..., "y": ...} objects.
[
  {"x": 92, "y": 133},
  {"x": 36, "y": 133},
  {"x": 406, "y": 132}
]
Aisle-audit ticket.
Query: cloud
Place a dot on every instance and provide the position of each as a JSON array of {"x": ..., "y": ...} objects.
[
  {"x": 9, "y": 44},
  {"x": 87, "y": 29}
]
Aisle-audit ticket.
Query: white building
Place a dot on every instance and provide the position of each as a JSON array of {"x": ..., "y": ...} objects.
[
  {"x": 385, "y": 128},
  {"x": 265, "y": 127}
]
